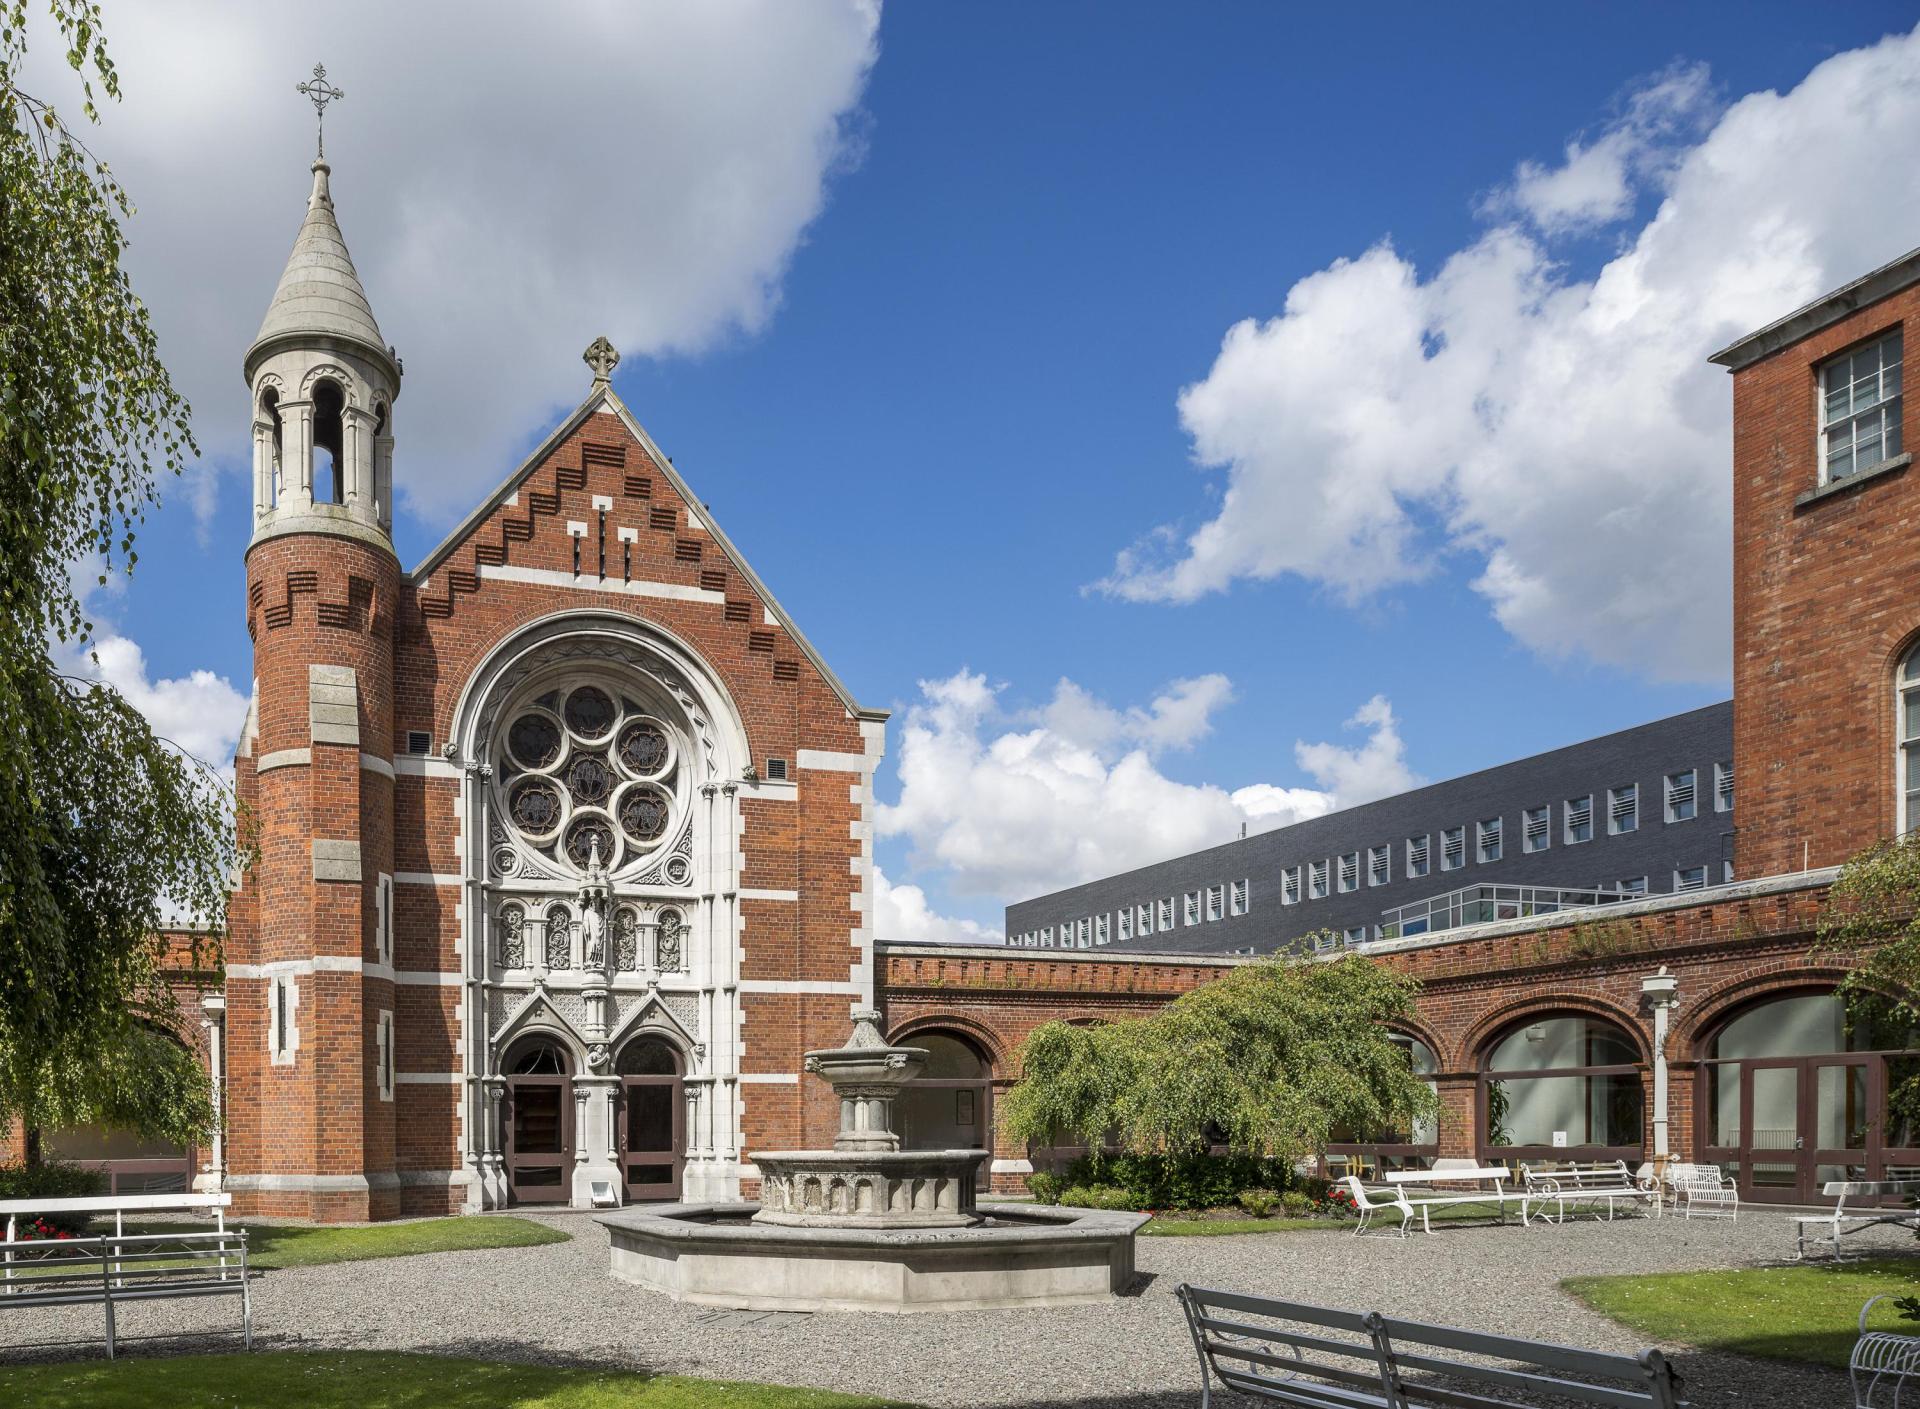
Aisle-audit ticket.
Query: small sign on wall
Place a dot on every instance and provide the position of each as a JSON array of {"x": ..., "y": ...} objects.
[{"x": 1559, "y": 1139}]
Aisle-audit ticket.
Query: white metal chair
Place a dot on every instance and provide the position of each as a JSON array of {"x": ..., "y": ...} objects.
[
  {"x": 1703, "y": 1189},
  {"x": 1881, "y": 1361}
]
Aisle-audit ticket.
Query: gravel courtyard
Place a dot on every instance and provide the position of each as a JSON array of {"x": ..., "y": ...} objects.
[{"x": 556, "y": 1303}]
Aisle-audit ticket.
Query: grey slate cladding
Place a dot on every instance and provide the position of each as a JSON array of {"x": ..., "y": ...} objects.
[{"x": 1698, "y": 739}]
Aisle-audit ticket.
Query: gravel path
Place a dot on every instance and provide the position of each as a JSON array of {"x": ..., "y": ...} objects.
[{"x": 557, "y": 1304}]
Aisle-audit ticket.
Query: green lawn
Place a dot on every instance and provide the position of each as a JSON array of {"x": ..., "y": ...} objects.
[
  {"x": 366, "y": 1379},
  {"x": 1223, "y": 1227},
  {"x": 1809, "y": 1311},
  {"x": 275, "y": 1245}
]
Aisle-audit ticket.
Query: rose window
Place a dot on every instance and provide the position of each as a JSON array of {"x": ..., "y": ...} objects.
[{"x": 584, "y": 768}]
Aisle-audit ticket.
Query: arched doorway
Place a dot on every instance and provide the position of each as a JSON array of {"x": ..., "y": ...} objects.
[
  {"x": 1352, "y": 1152},
  {"x": 949, "y": 1105},
  {"x": 652, "y": 1119},
  {"x": 539, "y": 1122},
  {"x": 1562, "y": 1086},
  {"x": 1790, "y": 1098}
]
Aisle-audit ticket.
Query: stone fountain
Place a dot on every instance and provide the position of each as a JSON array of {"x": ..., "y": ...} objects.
[{"x": 869, "y": 1226}]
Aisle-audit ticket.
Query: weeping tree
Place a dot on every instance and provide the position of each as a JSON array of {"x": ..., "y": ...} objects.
[
  {"x": 105, "y": 828},
  {"x": 1275, "y": 1057},
  {"x": 1870, "y": 922}
]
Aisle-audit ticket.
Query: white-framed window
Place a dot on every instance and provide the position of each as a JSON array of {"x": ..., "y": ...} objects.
[
  {"x": 383, "y": 1054},
  {"x": 1125, "y": 925},
  {"x": 1324, "y": 940},
  {"x": 1166, "y": 914},
  {"x": 1453, "y": 848},
  {"x": 283, "y": 1019},
  {"x": 1349, "y": 872},
  {"x": 1317, "y": 880},
  {"x": 1379, "y": 865},
  {"x": 1046, "y": 936},
  {"x": 383, "y": 920},
  {"x": 1418, "y": 861},
  {"x": 1726, "y": 873},
  {"x": 1579, "y": 819},
  {"x": 1623, "y": 809},
  {"x": 1860, "y": 408},
  {"x": 1144, "y": 913},
  {"x": 1690, "y": 878},
  {"x": 1723, "y": 787},
  {"x": 1681, "y": 793},
  {"x": 1355, "y": 934},
  {"x": 1238, "y": 902},
  {"x": 1191, "y": 912},
  {"x": 1216, "y": 903},
  {"x": 1909, "y": 733},
  {"x": 1086, "y": 932},
  {"x": 1488, "y": 840},
  {"x": 1634, "y": 885},
  {"x": 1290, "y": 886},
  {"x": 1101, "y": 934},
  {"x": 1536, "y": 829}
]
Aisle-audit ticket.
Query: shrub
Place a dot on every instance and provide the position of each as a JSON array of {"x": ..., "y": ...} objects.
[
  {"x": 1181, "y": 1181},
  {"x": 1297, "y": 1202},
  {"x": 52, "y": 1181},
  {"x": 1098, "y": 1196},
  {"x": 1045, "y": 1187},
  {"x": 1260, "y": 1202}
]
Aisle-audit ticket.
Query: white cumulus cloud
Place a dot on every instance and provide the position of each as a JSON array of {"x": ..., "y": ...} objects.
[
  {"x": 1566, "y": 433},
  {"x": 512, "y": 179},
  {"x": 902, "y": 912},
  {"x": 200, "y": 711},
  {"x": 1009, "y": 805}
]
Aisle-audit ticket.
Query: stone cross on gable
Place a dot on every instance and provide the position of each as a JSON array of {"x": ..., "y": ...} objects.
[
  {"x": 603, "y": 357},
  {"x": 322, "y": 93}
]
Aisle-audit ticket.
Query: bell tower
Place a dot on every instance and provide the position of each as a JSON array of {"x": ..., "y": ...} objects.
[{"x": 310, "y": 982}]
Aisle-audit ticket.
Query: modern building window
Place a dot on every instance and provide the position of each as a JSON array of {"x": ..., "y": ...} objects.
[
  {"x": 1192, "y": 908},
  {"x": 1100, "y": 932},
  {"x": 1579, "y": 819},
  {"x": 1690, "y": 878},
  {"x": 1317, "y": 880},
  {"x": 1290, "y": 886},
  {"x": 1046, "y": 936},
  {"x": 1417, "y": 858},
  {"x": 1723, "y": 787},
  {"x": 1166, "y": 914},
  {"x": 1453, "y": 848},
  {"x": 1379, "y": 865},
  {"x": 1726, "y": 873},
  {"x": 1860, "y": 409},
  {"x": 1910, "y": 741},
  {"x": 1536, "y": 829},
  {"x": 1350, "y": 871},
  {"x": 1623, "y": 809},
  {"x": 1355, "y": 934},
  {"x": 1086, "y": 932},
  {"x": 1324, "y": 940},
  {"x": 1635, "y": 885},
  {"x": 1145, "y": 911},
  {"x": 1216, "y": 903},
  {"x": 1124, "y": 930},
  {"x": 1487, "y": 840},
  {"x": 1240, "y": 897},
  {"x": 1681, "y": 801}
]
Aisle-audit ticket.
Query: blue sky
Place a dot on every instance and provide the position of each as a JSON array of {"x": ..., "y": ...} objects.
[{"x": 959, "y": 396}]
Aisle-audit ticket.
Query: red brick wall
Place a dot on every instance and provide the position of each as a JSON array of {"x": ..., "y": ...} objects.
[{"x": 1823, "y": 605}]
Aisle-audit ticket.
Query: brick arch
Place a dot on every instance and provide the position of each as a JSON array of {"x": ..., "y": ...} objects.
[
  {"x": 1720, "y": 1003},
  {"x": 1417, "y": 1028},
  {"x": 982, "y": 1036},
  {"x": 1545, "y": 1005}
]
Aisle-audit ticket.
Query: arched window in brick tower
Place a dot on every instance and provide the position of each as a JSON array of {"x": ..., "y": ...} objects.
[{"x": 1907, "y": 701}]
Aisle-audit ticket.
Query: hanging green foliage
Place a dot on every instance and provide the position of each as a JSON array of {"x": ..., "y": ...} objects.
[
  {"x": 1871, "y": 923},
  {"x": 1269, "y": 1060}
]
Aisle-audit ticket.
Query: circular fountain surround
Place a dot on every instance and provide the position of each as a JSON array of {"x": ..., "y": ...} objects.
[{"x": 869, "y": 1226}]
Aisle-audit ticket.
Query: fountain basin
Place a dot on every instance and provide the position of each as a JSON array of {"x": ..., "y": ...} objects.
[
  {"x": 861, "y": 1189},
  {"x": 1019, "y": 1255}
]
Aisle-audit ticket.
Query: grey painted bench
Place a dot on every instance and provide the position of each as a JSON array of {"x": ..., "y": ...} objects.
[
  {"x": 1830, "y": 1228},
  {"x": 1321, "y": 1358}
]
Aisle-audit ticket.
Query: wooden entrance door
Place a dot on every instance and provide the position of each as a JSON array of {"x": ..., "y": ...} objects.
[
  {"x": 1806, "y": 1121},
  {"x": 652, "y": 1130},
  {"x": 539, "y": 1126}
]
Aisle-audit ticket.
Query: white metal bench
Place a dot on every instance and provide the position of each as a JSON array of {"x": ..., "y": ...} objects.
[
  {"x": 1453, "y": 1183},
  {"x": 1370, "y": 1203},
  {"x": 1320, "y": 1358},
  {"x": 1881, "y": 1360},
  {"x": 1596, "y": 1183},
  {"x": 1703, "y": 1189},
  {"x": 1830, "y": 1228}
]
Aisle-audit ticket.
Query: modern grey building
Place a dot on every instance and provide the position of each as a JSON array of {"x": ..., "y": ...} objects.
[{"x": 1648, "y": 810}]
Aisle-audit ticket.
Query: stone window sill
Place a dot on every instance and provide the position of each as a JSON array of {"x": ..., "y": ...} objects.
[{"x": 1854, "y": 481}]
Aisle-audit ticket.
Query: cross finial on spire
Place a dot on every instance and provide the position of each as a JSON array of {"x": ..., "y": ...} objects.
[
  {"x": 603, "y": 357},
  {"x": 321, "y": 93}
]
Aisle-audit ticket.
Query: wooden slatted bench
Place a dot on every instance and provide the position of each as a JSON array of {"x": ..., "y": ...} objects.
[{"x": 1321, "y": 1358}]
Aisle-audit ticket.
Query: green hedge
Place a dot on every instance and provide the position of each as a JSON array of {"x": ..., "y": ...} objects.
[
  {"x": 51, "y": 1181},
  {"x": 1171, "y": 1181}
]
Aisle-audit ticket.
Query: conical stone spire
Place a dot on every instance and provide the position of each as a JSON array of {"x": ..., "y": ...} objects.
[{"x": 319, "y": 295}]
